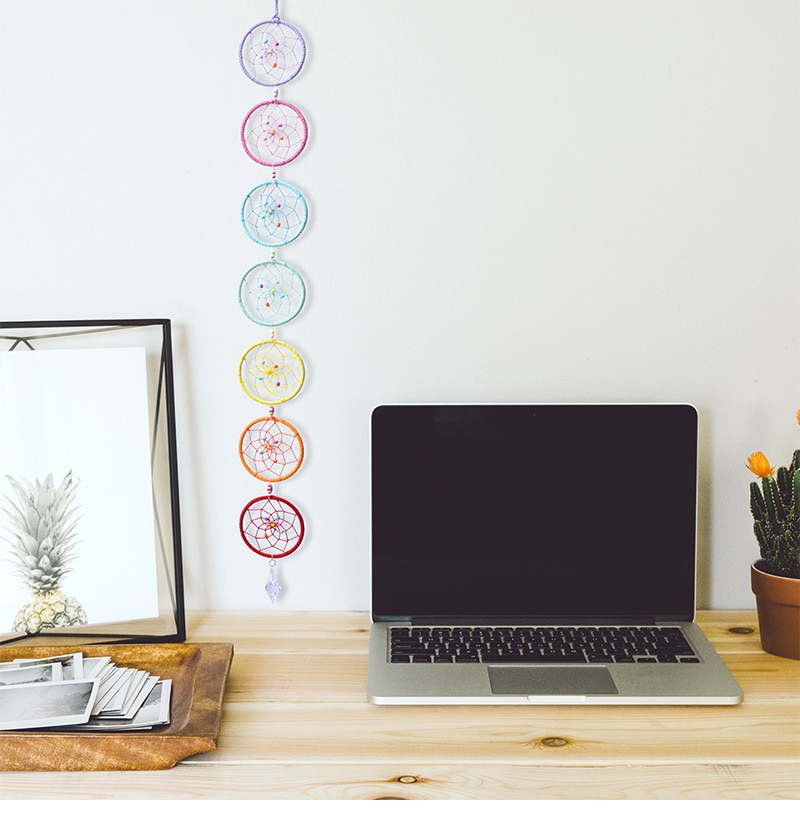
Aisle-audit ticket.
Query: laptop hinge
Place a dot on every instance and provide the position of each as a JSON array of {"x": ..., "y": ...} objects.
[{"x": 480, "y": 621}]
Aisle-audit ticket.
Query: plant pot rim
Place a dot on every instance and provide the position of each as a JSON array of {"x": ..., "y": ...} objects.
[
  {"x": 784, "y": 590},
  {"x": 754, "y": 567}
]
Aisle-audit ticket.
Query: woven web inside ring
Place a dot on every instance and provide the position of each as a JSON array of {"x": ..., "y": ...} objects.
[
  {"x": 274, "y": 213},
  {"x": 272, "y": 293},
  {"x": 271, "y": 372},
  {"x": 274, "y": 133},
  {"x": 271, "y": 526},
  {"x": 272, "y": 53},
  {"x": 271, "y": 449}
]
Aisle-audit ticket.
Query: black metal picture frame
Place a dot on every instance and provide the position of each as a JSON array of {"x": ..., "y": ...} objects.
[{"x": 148, "y": 341}]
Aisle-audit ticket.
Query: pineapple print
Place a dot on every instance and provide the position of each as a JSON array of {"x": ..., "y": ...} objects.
[{"x": 43, "y": 530}]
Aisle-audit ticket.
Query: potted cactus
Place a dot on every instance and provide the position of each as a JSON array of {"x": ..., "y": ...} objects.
[{"x": 775, "y": 577}]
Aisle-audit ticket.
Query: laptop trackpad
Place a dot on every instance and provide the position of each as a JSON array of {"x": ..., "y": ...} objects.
[{"x": 551, "y": 680}]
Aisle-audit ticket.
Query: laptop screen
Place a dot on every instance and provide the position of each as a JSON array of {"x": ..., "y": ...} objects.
[{"x": 534, "y": 511}]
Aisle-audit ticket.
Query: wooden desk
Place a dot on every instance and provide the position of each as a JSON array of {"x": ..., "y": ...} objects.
[{"x": 296, "y": 724}]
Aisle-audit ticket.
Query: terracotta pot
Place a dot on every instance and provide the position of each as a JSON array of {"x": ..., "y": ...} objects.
[{"x": 778, "y": 605}]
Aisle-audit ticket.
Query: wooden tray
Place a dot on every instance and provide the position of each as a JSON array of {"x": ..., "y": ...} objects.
[{"x": 198, "y": 672}]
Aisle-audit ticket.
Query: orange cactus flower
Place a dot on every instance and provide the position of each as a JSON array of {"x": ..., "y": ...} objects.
[{"x": 757, "y": 463}]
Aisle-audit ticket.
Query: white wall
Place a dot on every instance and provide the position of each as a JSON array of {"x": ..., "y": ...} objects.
[{"x": 510, "y": 201}]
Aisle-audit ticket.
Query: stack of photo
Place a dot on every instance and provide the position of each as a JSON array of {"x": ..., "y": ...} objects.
[{"x": 78, "y": 693}]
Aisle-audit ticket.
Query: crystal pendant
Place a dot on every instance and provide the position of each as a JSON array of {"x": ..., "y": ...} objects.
[{"x": 272, "y": 587}]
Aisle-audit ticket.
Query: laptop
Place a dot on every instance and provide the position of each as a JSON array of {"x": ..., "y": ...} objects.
[{"x": 537, "y": 554}]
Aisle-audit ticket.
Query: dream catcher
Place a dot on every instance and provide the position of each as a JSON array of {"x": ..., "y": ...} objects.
[
  {"x": 272, "y": 52},
  {"x": 271, "y": 372},
  {"x": 271, "y": 449},
  {"x": 273, "y": 214},
  {"x": 272, "y": 293},
  {"x": 274, "y": 133},
  {"x": 271, "y": 527}
]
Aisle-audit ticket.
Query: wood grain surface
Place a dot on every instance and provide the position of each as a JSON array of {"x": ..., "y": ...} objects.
[{"x": 296, "y": 724}]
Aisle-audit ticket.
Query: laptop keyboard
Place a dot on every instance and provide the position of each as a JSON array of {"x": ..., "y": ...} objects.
[{"x": 540, "y": 644}]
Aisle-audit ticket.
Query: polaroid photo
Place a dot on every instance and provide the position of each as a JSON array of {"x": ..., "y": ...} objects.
[
  {"x": 156, "y": 707},
  {"x": 139, "y": 689},
  {"x": 13, "y": 675},
  {"x": 104, "y": 676},
  {"x": 115, "y": 703},
  {"x": 138, "y": 693},
  {"x": 43, "y": 705},
  {"x": 155, "y": 711},
  {"x": 71, "y": 664},
  {"x": 110, "y": 688},
  {"x": 95, "y": 667}
]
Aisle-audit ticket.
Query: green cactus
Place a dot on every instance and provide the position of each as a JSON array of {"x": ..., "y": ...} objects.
[{"x": 775, "y": 506}]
